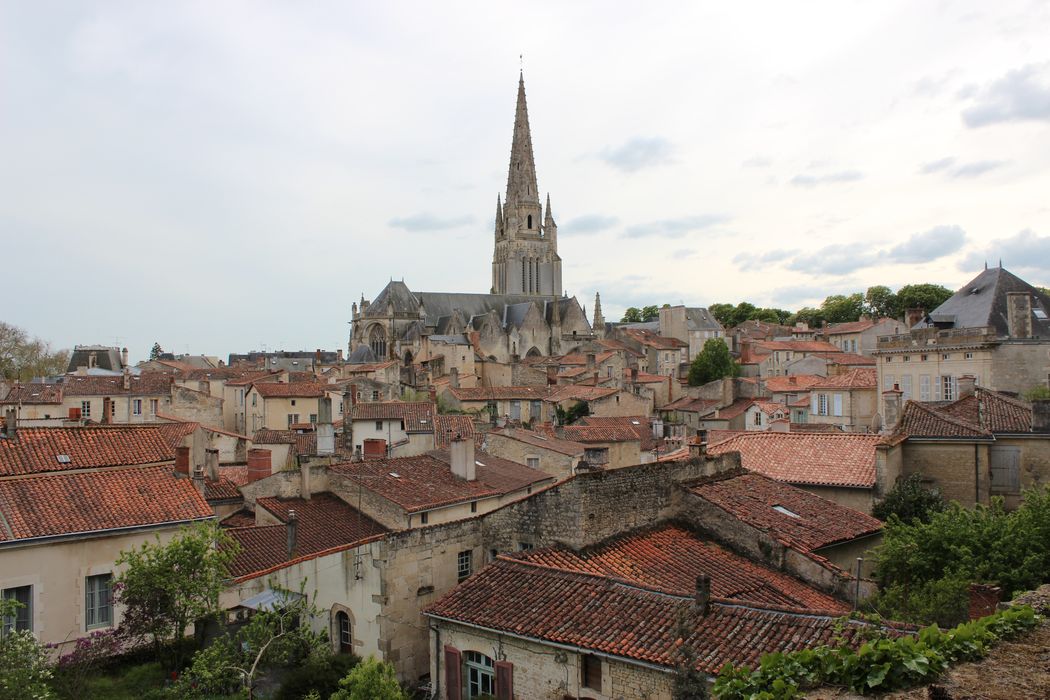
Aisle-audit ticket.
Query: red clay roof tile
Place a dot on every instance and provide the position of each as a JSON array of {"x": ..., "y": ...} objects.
[
  {"x": 806, "y": 458},
  {"x": 40, "y": 449}
]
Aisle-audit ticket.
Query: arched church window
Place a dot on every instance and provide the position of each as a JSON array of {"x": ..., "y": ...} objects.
[
  {"x": 529, "y": 226},
  {"x": 377, "y": 341},
  {"x": 346, "y": 633}
]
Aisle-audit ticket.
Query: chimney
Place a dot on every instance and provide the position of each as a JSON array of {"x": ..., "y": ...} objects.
[
  {"x": 966, "y": 383},
  {"x": 11, "y": 423},
  {"x": 891, "y": 399},
  {"x": 182, "y": 460},
  {"x": 1040, "y": 416},
  {"x": 913, "y": 316},
  {"x": 453, "y": 378},
  {"x": 211, "y": 463},
  {"x": 353, "y": 395},
  {"x": 107, "y": 410},
  {"x": 462, "y": 458},
  {"x": 728, "y": 392},
  {"x": 1019, "y": 314},
  {"x": 591, "y": 361},
  {"x": 198, "y": 479},
  {"x": 126, "y": 379},
  {"x": 780, "y": 425},
  {"x": 124, "y": 357},
  {"x": 983, "y": 600},
  {"x": 703, "y": 594},
  {"x": 634, "y": 374},
  {"x": 293, "y": 531},
  {"x": 259, "y": 464},
  {"x": 433, "y": 395},
  {"x": 305, "y": 482}
]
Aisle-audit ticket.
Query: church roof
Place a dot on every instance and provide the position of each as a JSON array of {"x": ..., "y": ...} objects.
[{"x": 362, "y": 355}]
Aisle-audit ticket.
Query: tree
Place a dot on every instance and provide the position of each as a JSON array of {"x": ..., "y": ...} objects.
[
  {"x": 165, "y": 587},
  {"x": 814, "y": 318},
  {"x": 910, "y": 501},
  {"x": 573, "y": 413},
  {"x": 650, "y": 313},
  {"x": 24, "y": 668},
  {"x": 880, "y": 301},
  {"x": 723, "y": 313},
  {"x": 921, "y": 296},
  {"x": 712, "y": 362},
  {"x": 275, "y": 637},
  {"x": 22, "y": 357},
  {"x": 156, "y": 351},
  {"x": 370, "y": 680},
  {"x": 632, "y": 315},
  {"x": 839, "y": 308}
]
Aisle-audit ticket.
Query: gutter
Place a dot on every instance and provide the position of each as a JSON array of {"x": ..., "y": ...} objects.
[{"x": 91, "y": 534}]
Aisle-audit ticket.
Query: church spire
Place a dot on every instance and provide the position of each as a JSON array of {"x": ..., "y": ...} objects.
[
  {"x": 598, "y": 326},
  {"x": 522, "y": 193},
  {"x": 499, "y": 218}
]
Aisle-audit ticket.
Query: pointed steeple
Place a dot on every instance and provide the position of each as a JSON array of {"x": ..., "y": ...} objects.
[
  {"x": 522, "y": 199},
  {"x": 499, "y": 218}
]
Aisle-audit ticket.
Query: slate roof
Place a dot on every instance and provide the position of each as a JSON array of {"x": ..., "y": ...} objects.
[
  {"x": 817, "y": 459},
  {"x": 425, "y": 482},
  {"x": 630, "y": 621},
  {"x": 324, "y": 523},
  {"x": 43, "y": 505},
  {"x": 500, "y": 393},
  {"x": 418, "y": 415},
  {"x": 37, "y": 449},
  {"x": 982, "y": 302},
  {"x": 700, "y": 319},
  {"x": 362, "y": 354},
  {"x": 752, "y": 499},
  {"x": 670, "y": 557}
]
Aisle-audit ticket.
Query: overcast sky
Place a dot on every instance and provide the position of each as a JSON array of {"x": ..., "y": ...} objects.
[{"x": 219, "y": 176}]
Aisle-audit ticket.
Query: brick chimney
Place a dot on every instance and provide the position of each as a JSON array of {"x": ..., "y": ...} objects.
[
  {"x": 703, "y": 594},
  {"x": 891, "y": 399},
  {"x": 182, "y": 460},
  {"x": 107, "y": 410},
  {"x": 259, "y": 464},
  {"x": 967, "y": 384},
  {"x": 1019, "y": 314},
  {"x": 461, "y": 451},
  {"x": 292, "y": 527},
  {"x": 1040, "y": 416},
  {"x": 983, "y": 600},
  {"x": 211, "y": 463},
  {"x": 913, "y": 316}
]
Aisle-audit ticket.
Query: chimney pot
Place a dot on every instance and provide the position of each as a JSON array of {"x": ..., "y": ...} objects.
[
  {"x": 11, "y": 423},
  {"x": 703, "y": 594},
  {"x": 967, "y": 384},
  {"x": 211, "y": 463},
  {"x": 461, "y": 458},
  {"x": 198, "y": 479},
  {"x": 259, "y": 464},
  {"x": 292, "y": 528}
]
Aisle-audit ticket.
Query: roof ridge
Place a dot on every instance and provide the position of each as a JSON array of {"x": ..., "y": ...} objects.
[{"x": 959, "y": 422}]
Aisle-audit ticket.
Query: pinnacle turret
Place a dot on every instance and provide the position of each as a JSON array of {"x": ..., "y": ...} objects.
[
  {"x": 599, "y": 320},
  {"x": 499, "y": 218}
]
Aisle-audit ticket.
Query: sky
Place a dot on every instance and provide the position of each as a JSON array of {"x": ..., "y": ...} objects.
[{"x": 220, "y": 177}]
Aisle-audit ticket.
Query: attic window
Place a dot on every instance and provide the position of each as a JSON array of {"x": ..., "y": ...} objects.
[
  {"x": 395, "y": 475},
  {"x": 634, "y": 422},
  {"x": 63, "y": 459},
  {"x": 480, "y": 464},
  {"x": 785, "y": 511},
  {"x": 1040, "y": 314}
]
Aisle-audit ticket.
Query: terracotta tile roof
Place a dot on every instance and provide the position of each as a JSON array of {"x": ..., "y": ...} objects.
[
  {"x": 255, "y": 376},
  {"x": 572, "y": 372},
  {"x": 846, "y": 358},
  {"x": 239, "y": 518},
  {"x": 221, "y": 490},
  {"x": 578, "y": 358},
  {"x": 817, "y": 459},
  {"x": 290, "y": 389},
  {"x": 923, "y": 420},
  {"x": 425, "y": 482},
  {"x": 368, "y": 367},
  {"x": 38, "y": 449},
  {"x": 175, "y": 433},
  {"x": 854, "y": 379},
  {"x": 498, "y": 393},
  {"x": 598, "y": 433},
  {"x": 617, "y": 346},
  {"x": 734, "y": 409},
  {"x": 670, "y": 557},
  {"x": 144, "y": 384},
  {"x": 690, "y": 405},
  {"x": 305, "y": 442},
  {"x": 547, "y": 442},
  {"x": 791, "y": 383},
  {"x": 447, "y": 426},
  {"x": 849, "y": 327},
  {"x": 204, "y": 374},
  {"x": 34, "y": 394},
  {"x": 753, "y": 498},
  {"x": 417, "y": 415},
  {"x": 654, "y": 340},
  {"x": 79, "y": 502},
  {"x": 576, "y": 392},
  {"x": 765, "y": 347},
  {"x": 770, "y": 408},
  {"x": 644, "y": 378},
  {"x": 639, "y": 424},
  {"x": 324, "y": 523},
  {"x": 993, "y": 411},
  {"x": 625, "y": 620}
]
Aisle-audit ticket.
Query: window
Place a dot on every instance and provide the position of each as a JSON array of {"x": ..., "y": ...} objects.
[
  {"x": 535, "y": 409},
  {"x": 758, "y": 417},
  {"x": 596, "y": 455},
  {"x": 837, "y": 403},
  {"x": 313, "y": 418},
  {"x": 822, "y": 404},
  {"x": 888, "y": 381},
  {"x": 906, "y": 387},
  {"x": 85, "y": 409},
  {"x": 463, "y": 564},
  {"x": 293, "y": 418},
  {"x": 345, "y": 631},
  {"x": 240, "y": 397},
  {"x": 524, "y": 546},
  {"x": 889, "y": 359},
  {"x": 591, "y": 672},
  {"x": 923, "y": 358},
  {"x": 473, "y": 506},
  {"x": 924, "y": 387},
  {"x": 153, "y": 407},
  {"x": 22, "y": 620},
  {"x": 946, "y": 356},
  {"x": 424, "y": 518},
  {"x": 969, "y": 356},
  {"x": 533, "y": 462},
  {"x": 948, "y": 388},
  {"x": 375, "y": 395},
  {"x": 98, "y": 608},
  {"x": 136, "y": 407},
  {"x": 906, "y": 358},
  {"x": 293, "y": 402},
  {"x": 481, "y": 678},
  {"x": 379, "y": 425}
]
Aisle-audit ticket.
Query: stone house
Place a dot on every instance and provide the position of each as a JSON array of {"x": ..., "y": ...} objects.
[
  {"x": 692, "y": 325},
  {"x": 995, "y": 328},
  {"x": 392, "y": 428},
  {"x": 860, "y": 337},
  {"x": 771, "y": 358},
  {"x": 848, "y": 400},
  {"x": 127, "y": 399},
  {"x": 549, "y": 454},
  {"x": 664, "y": 355},
  {"x": 761, "y": 414},
  {"x": 827, "y": 364},
  {"x": 525, "y": 404},
  {"x": 606, "y": 446},
  {"x": 601, "y": 401},
  {"x": 278, "y": 405}
]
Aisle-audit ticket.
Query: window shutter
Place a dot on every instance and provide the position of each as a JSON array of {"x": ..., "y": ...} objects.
[
  {"x": 813, "y": 404},
  {"x": 838, "y": 404},
  {"x": 453, "y": 673},
  {"x": 504, "y": 680}
]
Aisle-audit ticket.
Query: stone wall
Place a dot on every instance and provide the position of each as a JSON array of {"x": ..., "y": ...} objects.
[
  {"x": 952, "y": 466},
  {"x": 558, "y": 465}
]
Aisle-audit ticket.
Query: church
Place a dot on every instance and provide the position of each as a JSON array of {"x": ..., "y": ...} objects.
[{"x": 525, "y": 313}]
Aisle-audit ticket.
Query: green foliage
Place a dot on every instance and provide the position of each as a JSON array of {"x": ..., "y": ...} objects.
[
  {"x": 1037, "y": 393},
  {"x": 880, "y": 301},
  {"x": 878, "y": 665},
  {"x": 25, "y": 670},
  {"x": 269, "y": 639},
  {"x": 167, "y": 586},
  {"x": 574, "y": 413},
  {"x": 921, "y": 296},
  {"x": 635, "y": 315},
  {"x": 729, "y": 315},
  {"x": 23, "y": 357},
  {"x": 156, "y": 351},
  {"x": 838, "y": 308},
  {"x": 712, "y": 362},
  {"x": 921, "y": 565},
  {"x": 370, "y": 680},
  {"x": 909, "y": 501},
  {"x": 319, "y": 675}
]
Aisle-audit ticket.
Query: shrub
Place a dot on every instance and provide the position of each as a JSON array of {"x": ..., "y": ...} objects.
[
  {"x": 319, "y": 675},
  {"x": 910, "y": 501}
]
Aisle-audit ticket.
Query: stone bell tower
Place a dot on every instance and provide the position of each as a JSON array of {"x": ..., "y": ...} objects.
[{"x": 525, "y": 256}]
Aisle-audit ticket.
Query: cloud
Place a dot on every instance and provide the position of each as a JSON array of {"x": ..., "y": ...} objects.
[
  {"x": 838, "y": 259},
  {"x": 829, "y": 179},
  {"x": 751, "y": 261},
  {"x": 684, "y": 252},
  {"x": 674, "y": 228},
  {"x": 976, "y": 169},
  {"x": 639, "y": 153},
  {"x": 938, "y": 242},
  {"x": 1024, "y": 251},
  {"x": 591, "y": 223},
  {"x": 936, "y": 166},
  {"x": 428, "y": 222},
  {"x": 757, "y": 162},
  {"x": 1020, "y": 95}
]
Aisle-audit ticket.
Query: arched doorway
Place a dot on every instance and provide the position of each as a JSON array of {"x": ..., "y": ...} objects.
[
  {"x": 533, "y": 352},
  {"x": 377, "y": 341}
]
